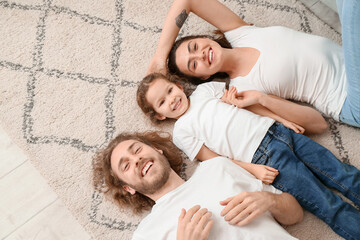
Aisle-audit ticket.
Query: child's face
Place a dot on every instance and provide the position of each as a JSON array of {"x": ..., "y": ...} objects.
[{"x": 167, "y": 99}]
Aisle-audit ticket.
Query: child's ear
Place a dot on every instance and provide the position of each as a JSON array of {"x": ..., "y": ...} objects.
[
  {"x": 129, "y": 189},
  {"x": 160, "y": 117},
  {"x": 205, "y": 78}
]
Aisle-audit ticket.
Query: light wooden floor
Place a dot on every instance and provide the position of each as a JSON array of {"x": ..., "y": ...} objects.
[{"x": 29, "y": 209}]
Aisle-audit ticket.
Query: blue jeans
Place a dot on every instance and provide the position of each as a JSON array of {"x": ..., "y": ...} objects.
[
  {"x": 349, "y": 13},
  {"x": 306, "y": 168}
]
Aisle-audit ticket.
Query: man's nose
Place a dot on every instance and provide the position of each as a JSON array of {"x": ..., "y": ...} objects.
[{"x": 137, "y": 160}]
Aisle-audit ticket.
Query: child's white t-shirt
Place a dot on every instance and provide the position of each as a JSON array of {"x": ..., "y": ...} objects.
[
  {"x": 294, "y": 65},
  {"x": 213, "y": 181},
  {"x": 225, "y": 129}
]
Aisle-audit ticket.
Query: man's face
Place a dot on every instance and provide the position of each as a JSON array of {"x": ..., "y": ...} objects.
[{"x": 143, "y": 168}]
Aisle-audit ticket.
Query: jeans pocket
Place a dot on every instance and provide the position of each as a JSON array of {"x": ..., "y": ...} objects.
[{"x": 263, "y": 160}]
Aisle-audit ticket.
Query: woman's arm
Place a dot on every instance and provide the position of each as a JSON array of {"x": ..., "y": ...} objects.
[
  {"x": 264, "y": 173},
  {"x": 211, "y": 11},
  {"x": 304, "y": 116}
]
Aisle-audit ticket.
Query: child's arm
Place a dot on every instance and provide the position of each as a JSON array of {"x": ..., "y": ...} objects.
[
  {"x": 291, "y": 114},
  {"x": 264, "y": 173},
  {"x": 211, "y": 11}
]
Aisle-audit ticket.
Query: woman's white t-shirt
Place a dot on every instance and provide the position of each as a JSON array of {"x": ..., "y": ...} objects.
[{"x": 294, "y": 65}]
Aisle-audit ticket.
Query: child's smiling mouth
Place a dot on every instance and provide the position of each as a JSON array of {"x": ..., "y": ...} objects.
[{"x": 177, "y": 104}]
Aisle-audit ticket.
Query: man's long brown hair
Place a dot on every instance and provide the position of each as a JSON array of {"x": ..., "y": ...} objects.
[{"x": 106, "y": 181}]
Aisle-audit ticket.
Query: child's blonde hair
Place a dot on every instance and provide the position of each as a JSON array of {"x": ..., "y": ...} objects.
[{"x": 143, "y": 88}]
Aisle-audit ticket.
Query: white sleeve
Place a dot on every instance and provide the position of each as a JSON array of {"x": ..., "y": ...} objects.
[
  {"x": 271, "y": 188},
  {"x": 234, "y": 35},
  {"x": 187, "y": 143},
  {"x": 211, "y": 89},
  {"x": 136, "y": 236}
]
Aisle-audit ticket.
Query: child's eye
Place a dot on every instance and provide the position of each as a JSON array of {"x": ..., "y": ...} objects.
[
  {"x": 195, "y": 47},
  {"x": 126, "y": 166},
  {"x": 194, "y": 65},
  {"x": 170, "y": 90},
  {"x": 161, "y": 103}
]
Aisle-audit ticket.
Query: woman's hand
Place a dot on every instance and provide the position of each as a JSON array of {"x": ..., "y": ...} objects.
[
  {"x": 253, "y": 97},
  {"x": 195, "y": 224},
  {"x": 296, "y": 128},
  {"x": 157, "y": 65}
]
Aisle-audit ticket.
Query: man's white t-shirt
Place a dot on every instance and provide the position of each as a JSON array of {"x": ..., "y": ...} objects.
[
  {"x": 294, "y": 65},
  {"x": 225, "y": 129},
  {"x": 213, "y": 181}
]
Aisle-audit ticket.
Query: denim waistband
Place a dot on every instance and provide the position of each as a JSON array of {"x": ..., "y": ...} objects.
[{"x": 265, "y": 142}]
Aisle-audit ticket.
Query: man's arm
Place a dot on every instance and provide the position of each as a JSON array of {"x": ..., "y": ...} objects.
[
  {"x": 245, "y": 207},
  {"x": 211, "y": 11}
]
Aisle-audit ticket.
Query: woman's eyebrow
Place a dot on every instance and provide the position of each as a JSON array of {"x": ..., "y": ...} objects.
[{"x": 189, "y": 49}]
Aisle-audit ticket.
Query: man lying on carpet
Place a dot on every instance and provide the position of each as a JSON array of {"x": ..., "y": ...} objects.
[{"x": 140, "y": 171}]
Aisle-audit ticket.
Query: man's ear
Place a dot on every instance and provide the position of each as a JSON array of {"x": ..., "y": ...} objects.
[
  {"x": 160, "y": 117},
  {"x": 129, "y": 189},
  {"x": 159, "y": 150}
]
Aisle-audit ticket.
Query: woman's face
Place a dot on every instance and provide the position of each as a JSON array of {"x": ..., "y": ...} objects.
[{"x": 199, "y": 57}]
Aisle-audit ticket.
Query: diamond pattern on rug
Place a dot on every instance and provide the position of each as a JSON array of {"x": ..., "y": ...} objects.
[{"x": 69, "y": 71}]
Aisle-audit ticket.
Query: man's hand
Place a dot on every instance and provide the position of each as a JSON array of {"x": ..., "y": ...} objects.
[
  {"x": 245, "y": 207},
  {"x": 195, "y": 224},
  {"x": 264, "y": 173}
]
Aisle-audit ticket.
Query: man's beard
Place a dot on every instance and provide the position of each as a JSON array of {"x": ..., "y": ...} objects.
[{"x": 158, "y": 182}]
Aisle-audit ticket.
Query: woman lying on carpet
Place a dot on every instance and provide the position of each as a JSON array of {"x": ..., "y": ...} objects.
[{"x": 274, "y": 60}]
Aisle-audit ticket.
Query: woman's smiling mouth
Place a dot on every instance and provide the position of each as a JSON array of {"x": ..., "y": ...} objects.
[{"x": 211, "y": 55}]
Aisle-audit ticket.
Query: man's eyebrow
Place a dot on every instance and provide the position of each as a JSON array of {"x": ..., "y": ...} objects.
[
  {"x": 129, "y": 150},
  {"x": 188, "y": 64}
]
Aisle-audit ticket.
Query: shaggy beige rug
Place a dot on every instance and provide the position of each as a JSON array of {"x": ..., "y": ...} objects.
[{"x": 68, "y": 76}]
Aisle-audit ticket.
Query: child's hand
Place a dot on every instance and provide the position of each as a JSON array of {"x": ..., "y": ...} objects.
[
  {"x": 229, "y": 96},
  {"x": 296, "y": 128},
  {"x": 265, "y": 173},
  {"x": 225, "y": 97}
]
